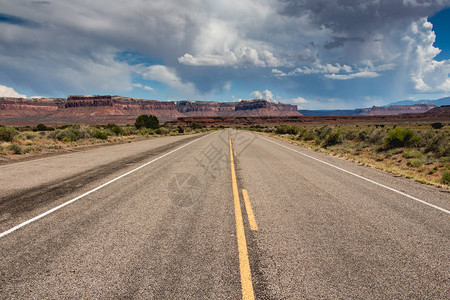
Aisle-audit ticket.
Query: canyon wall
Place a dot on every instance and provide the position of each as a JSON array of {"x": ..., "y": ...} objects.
[{"x": 124, "y": 110}]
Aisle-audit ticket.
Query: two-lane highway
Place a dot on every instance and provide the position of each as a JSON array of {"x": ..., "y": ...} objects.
[{"x": 167, "y": 219}]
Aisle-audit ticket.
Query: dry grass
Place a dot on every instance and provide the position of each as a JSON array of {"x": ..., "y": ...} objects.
[
  {"x": 424, "y": 156},
  {"x": 27, "y": 143}
]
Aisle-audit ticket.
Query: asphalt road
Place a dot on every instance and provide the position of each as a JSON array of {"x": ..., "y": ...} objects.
[{"x": 166, "y": 219}]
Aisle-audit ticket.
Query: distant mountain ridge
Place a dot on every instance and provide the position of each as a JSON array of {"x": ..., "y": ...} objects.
[
  {"x": 437, "y": 102},
  {"x": 396, "y": 108}
]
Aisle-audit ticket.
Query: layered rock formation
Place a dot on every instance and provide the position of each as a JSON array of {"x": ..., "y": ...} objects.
[
  {"x": 123, "y": 110},
  {"x": 397, "y": 110},
  {"x": 244, "y": 108}
]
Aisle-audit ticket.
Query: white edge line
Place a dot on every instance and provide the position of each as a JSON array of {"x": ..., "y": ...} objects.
[
  {"x": 361, "y": 177},
  {"x": 91, "y": 191}
]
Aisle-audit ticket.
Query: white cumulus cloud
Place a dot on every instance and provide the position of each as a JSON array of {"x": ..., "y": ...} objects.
[
  {"x": 145, "y": 87},
  {"x": 9, "y": 92},
  {"x": 266, "y": 95},
  {"x": 167, "y": 76},
  {"x": 426, "y": 74}
]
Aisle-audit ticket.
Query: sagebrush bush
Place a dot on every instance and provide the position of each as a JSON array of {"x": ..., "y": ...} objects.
[
  {"x": 437, "y": 144},
  {"x": 16, "y": 149},
  {"x": 446, "y": 177},
  {"x": 284, "y": 129},
  {"x": 8, "y": 133},
  {"x": 401, "y": 137},
  {"x": 129, "y": 130},
  {"x": 323, "y": 132},
  {"x": 73, "y": 133},
  {"x": 416, "y": 162},
  {"x": 100, "y": 135},
  {"x": 375, "y": 137},
  {"x": 115, "y": 129},
  {"x": 412, "y": 154},
  {"x": 333, "y": 138}
]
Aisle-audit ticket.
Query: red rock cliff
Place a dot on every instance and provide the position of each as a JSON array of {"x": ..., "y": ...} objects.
[{"x": 122, "y": 110}]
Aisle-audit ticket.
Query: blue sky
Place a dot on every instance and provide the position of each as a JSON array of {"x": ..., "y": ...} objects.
[{"x": 318, "y": 54}]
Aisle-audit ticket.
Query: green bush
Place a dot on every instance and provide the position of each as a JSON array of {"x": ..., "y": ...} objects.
[
  {"x": 73, "y": 133},
  {"x": 129, "y": 130},
  {"x": 446, "y": 177},
  {"x": 333, "y": 138},
  {"x": 323, "y": 132},
  {"x": 117, "y": 130},
  {"x": 375, "y": 137},
  {"x": 401, "y": 137},
  {"x": 438, "y": 144},
  {"x": 416, "y": 162},
  {"x": 147, "y": 121},
  {"x": 196, "y": 126},
  {"x": 42, "y": 127},
  {"x": 8, "y": 133},
  {"x": 158, "y": 131},
  {"x": 16, "y": 149},
  {"x": 181, "y": 129},
  {"x": 412, "y": 154},
  {"x": 100, "y": 135},
  {"x": 437, "y": 125},
  {"x": 283, "y": 129}
]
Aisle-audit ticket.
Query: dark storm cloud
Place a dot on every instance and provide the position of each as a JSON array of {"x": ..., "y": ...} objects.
[
  {"x": 340, "y": 41},
  {"x": 14, "y": 20}
]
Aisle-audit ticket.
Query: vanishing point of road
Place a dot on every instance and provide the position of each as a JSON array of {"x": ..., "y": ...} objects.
[{"x": 224, "y": 215}]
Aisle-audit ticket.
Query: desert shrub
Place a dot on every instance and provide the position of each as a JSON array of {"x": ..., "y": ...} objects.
[
  {"x": 73, "y": 133},
  {"x": 129, "y": 130},
  {"x": 323, "y": 132},
  {"x": 117, "y": 130},
  {"x": 438, "y": 144},
  {"x": 308, "y": 135},
  {"x": 159, "y": 131},
  {"x": 363, "y": 135},
  {"x": 16, "y": 149},
  {"x": 283, "y": 129},
  {"x": 401, "y": 137},
  {"x": 100, "y": 135},
  {"x": 437, "y": 125},
  {"x": 40, "y": 127},
  {"x": 375, "y": 137},
  {"x": 412, "y": 154},
  {"x": 8, "y": 133},
  {"x": 446, "y": 177},
  {"x": 416, "y": 162},
  {"x": 147, "y": 121},
  {"x": 350, "y": 135},
  {"x": 195, "y": 126},
  {"x": 181, "y": 129},
  {"x": 333, "y": 138}
]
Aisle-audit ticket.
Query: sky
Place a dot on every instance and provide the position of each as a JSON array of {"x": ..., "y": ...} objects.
[{"x": 317, "y": 54}]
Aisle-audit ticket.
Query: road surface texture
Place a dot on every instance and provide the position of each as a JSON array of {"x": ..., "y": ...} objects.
[{"x": 224, "y": 215}]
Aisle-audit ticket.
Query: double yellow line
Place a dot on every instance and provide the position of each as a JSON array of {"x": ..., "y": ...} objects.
[{"x": 244, "y": 265}]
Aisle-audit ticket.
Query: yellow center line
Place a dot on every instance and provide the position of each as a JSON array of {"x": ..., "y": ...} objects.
[
  {"x": 244, "y": 265},
  {"x": 248, "y": 208}
]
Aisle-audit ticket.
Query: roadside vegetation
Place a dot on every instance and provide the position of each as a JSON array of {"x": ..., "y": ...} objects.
[
  {"x": 16, "y": 142},
  {"x": 415, "y": 150}
]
